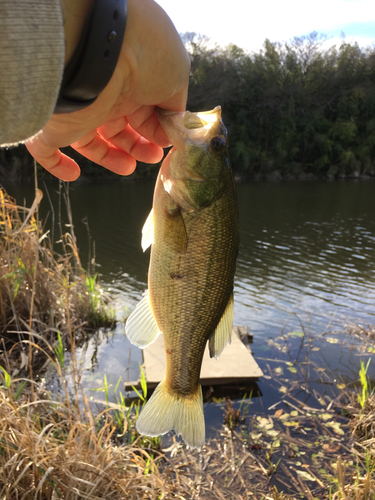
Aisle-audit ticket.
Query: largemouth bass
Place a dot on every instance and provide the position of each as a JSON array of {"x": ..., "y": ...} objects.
[{"x": 193, "y": 230}]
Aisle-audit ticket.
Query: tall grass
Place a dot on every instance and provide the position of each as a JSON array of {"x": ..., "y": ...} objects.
[
  {"x": 125, "y": 412},
  {"x": 50, "y": 450},
  {"x": 43, "y": 294}
]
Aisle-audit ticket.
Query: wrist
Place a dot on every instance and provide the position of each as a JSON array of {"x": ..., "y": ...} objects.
[
  {"x": 91, "y": 61},
  {"x": 74, "y": 15}
]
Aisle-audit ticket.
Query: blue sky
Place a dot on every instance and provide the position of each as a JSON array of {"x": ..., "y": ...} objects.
[{"x": 248, "y": 23}]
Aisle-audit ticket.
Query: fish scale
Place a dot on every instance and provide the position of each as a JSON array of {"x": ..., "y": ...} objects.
[{"x": 204, "y": 288}]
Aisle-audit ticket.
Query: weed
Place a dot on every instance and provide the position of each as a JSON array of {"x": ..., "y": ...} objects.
[
  {"x": 59, "y": 350},
  {"x": 363, "y": 397},
  {"x": 125, "y": 415},
  {"x": 231, "y": 415},
  {"x": 244, "y": 406},
  {"x": 6, "y": 377}
]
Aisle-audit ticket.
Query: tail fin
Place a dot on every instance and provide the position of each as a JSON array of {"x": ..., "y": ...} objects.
[{"x": 166, "y": 411}]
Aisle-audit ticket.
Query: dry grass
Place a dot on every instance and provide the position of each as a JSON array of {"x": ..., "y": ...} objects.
[
  {"x": 323, "y": 449},
  {"x": 362, "y": 422},
  {"x": 57, "y": 449},
  {"x": 52, "y": 450},
  {"x": 362, "y": 426},
  {"x": 363, "y": 332},
  {"x": 41, "y": 292}
]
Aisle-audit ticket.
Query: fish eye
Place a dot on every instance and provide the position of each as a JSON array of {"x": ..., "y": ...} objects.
[{"x": 217, "y": 143}]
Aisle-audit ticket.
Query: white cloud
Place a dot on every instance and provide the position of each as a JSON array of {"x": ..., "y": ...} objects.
[{"x": 248, "y": 23}]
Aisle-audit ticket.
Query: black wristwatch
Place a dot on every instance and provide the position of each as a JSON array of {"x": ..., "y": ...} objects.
[{"x": 95, "y": 59}]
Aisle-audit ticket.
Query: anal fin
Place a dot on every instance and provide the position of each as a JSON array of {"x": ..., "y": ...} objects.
[
  {"x": 141, "y": 327},
  {"x": 223, "y": 333}
]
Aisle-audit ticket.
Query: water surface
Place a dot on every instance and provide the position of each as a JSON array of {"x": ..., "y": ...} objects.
[{"x": 306, "y": 262}]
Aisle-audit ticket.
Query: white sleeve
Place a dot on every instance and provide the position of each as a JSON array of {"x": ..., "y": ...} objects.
[{"x": 32, "y": 49}]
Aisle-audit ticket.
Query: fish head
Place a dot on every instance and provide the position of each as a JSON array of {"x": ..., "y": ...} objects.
[{"x": 195, "y": 170}]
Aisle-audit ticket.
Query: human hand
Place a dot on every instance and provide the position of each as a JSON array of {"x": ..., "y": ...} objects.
[{"x": 121, "y": 126}]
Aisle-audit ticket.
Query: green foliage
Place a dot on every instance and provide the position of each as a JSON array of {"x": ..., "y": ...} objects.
[
  {"x": 8, "y": 383},
  {"x": 293, "y": 107},
  {"x": 98, "y": 313},
  {"x": 17, "y": 276},
  {"x": 6, "y": 377},
  {"x": 19, "y": 390}
]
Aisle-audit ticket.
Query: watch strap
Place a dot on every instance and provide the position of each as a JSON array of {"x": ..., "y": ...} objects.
[{"x": 95, "y": 59}]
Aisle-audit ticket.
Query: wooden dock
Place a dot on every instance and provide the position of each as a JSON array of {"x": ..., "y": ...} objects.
[{"x": 235, "y": 364}]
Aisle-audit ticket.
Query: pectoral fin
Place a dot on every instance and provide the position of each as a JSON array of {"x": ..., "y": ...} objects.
[
  {"x": 173, "y": 229},
  {"x": 141, "y": 328},
  {"x": 176, "y": 236},
  {"x": 148, "y": 231},
  {"x": 222, "y": 335}
]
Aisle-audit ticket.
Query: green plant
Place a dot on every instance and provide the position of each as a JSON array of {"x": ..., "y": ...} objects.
[
  {"x": 6, "y": 377},
  {"x": 125, "y": 416},
  {"x": 91, "y": 286},
  {"x": 59, "y": 350},
  {"x": 272, "y": 467},
  {"x": 98, "y": 313},
  {"x": 152, "y": 442},
  {"x": 8, "y": 382},
  {"x": 18, "y": 275},
  {"x": 19, "y": 390},
  {"x": 142, "y": 379},
  {"x": 362, "y": 398},
  {"x": 370, "y": 463},
  {"x": 244, "y": 407}
]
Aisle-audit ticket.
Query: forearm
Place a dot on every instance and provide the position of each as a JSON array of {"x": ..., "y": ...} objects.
[{"x": 37, "y": 39}]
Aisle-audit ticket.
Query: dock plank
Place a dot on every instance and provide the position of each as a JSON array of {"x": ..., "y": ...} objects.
[{"x": 235, "y": 363}]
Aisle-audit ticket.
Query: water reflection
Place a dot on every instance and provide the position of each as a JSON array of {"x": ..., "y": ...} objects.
[{"x": 308, "y": 247}]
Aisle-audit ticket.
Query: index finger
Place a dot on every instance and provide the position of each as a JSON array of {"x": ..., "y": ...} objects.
[{"x": 146, "y": 123}]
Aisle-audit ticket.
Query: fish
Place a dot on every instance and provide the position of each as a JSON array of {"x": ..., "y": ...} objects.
[{"x": 194, "y": 237}]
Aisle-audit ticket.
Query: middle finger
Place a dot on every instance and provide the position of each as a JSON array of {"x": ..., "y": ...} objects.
[{"x": 119, "y": 133}]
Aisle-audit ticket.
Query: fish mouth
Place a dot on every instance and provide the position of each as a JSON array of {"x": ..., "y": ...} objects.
[
  {"x": 196, "y": 126},
  {"x": 205, "y": 119}
]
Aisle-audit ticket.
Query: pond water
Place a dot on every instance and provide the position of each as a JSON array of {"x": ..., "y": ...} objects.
[{"x": 306, "y": 263}]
